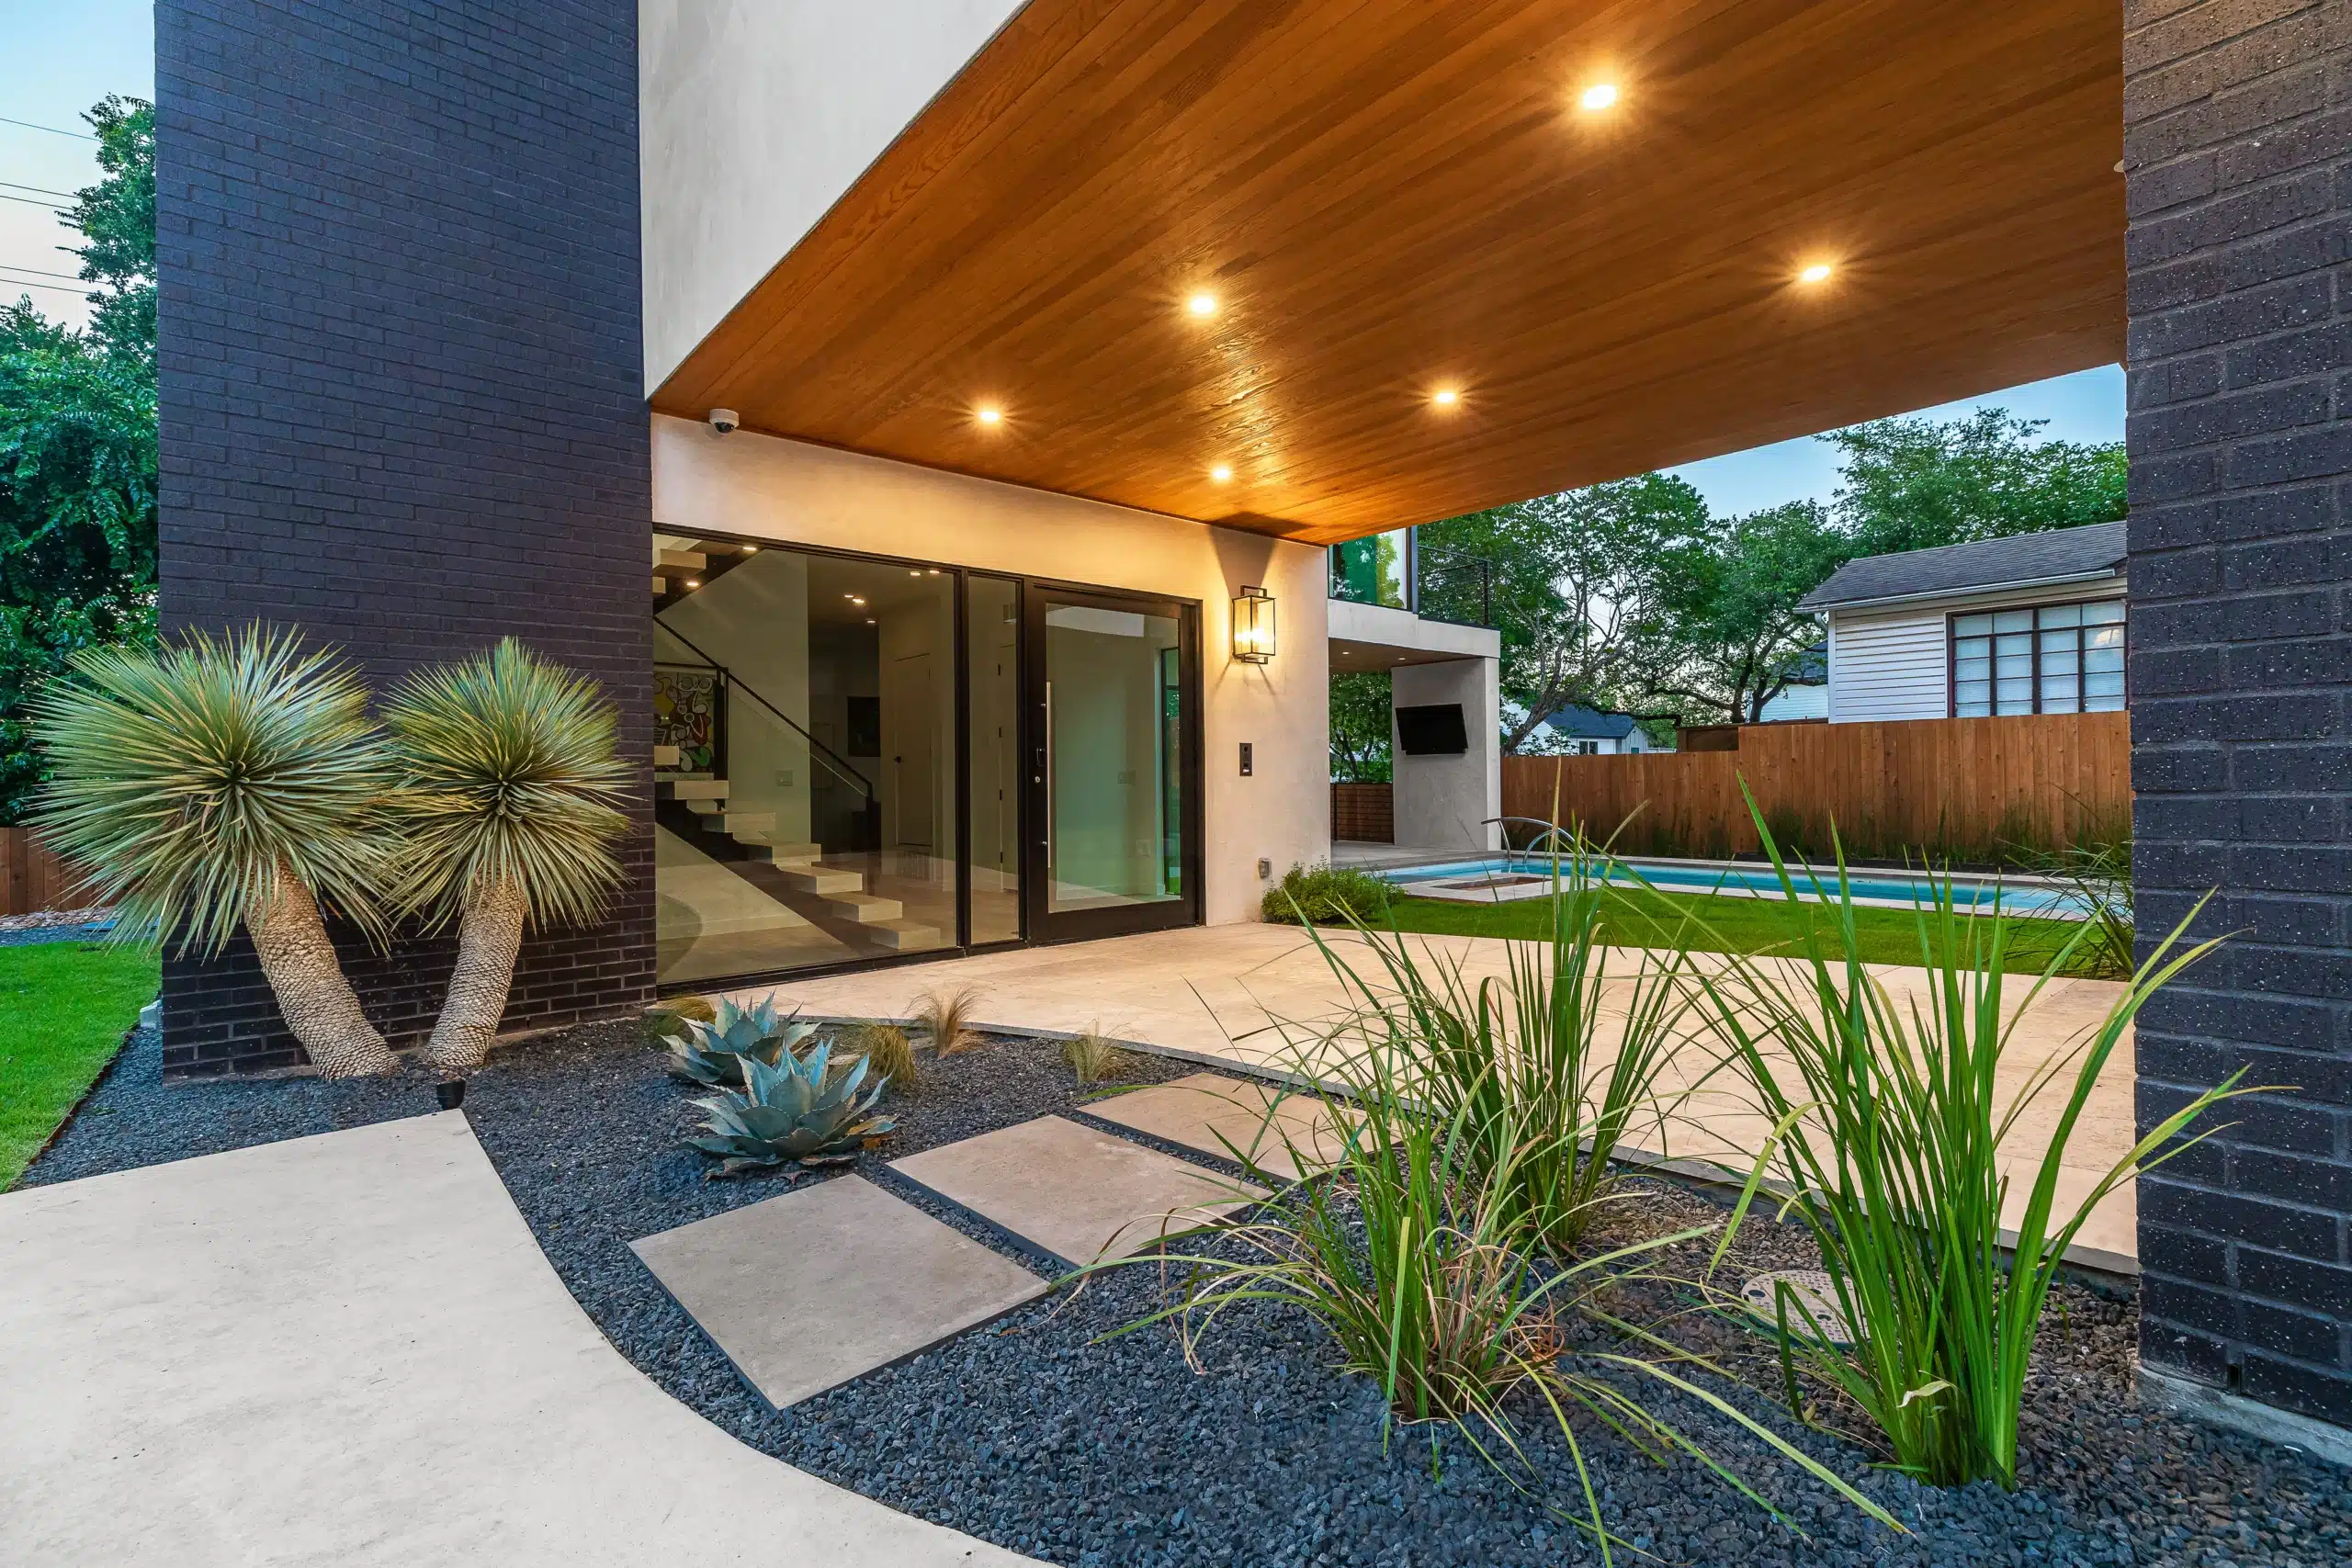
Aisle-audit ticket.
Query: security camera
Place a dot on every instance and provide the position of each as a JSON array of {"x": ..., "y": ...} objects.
[{"x": 722, "y": 419}]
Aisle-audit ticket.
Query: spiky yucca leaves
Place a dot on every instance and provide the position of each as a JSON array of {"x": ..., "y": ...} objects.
[
  {"x": 713, "y": 1054},
  {"x": 227, "y": 782},
  {"x": 803, "y": 1110},
  {"x": 509, "y": 808}
]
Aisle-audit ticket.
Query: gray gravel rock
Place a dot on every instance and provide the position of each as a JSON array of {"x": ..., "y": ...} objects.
[{"x": 1037, "y": 1433}]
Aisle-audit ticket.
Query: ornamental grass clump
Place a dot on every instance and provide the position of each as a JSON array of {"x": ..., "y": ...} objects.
[
  {"x": 893, "y": 1055},
  {"x": 946, "y": 1018},
  {"x": 1889, "y": 1122},
  {"x": 509, "y": 808},
  {"x": 1560, "y": 1049},
  {"x": 226, "y": 783},
  {"x": 1412, "y": 1257}
]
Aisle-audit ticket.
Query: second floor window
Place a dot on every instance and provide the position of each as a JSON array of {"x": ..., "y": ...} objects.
[{"x": 2049, "y": 659}]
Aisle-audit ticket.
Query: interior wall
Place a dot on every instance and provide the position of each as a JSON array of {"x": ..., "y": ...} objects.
[
  {"x": 789, "y": 492},
  {"x": 755, "y": 117},
  {"x": 1449, "y": 803},
  {"x": 754, "y": 620}
]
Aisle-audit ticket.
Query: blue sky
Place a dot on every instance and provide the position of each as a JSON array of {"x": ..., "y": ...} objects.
[
  {"x": 64, "y": 57},
  {"x": 60, "y": 57}
]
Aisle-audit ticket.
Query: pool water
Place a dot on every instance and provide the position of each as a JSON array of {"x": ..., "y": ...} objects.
[{"x": 1507, "y": 875}]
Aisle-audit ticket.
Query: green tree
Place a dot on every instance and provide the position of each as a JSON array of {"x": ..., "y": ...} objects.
[
  {"x": 1577, "y": 588},
  {"x": 1732, "y": 606},
  {"x": 77, "y": 449},
  {"x": 1912, "y": 484},
  {"x": 1360, "y": 701}
]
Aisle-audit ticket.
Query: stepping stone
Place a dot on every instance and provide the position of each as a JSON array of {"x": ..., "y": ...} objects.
[
  {"x": 1209, "y": 1113},
  {"x": 1073, "y": 1192},
  {"x": 805, "y": 1290}
]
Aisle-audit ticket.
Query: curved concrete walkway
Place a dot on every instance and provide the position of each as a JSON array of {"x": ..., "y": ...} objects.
[{"x": 348, "y": 1349}]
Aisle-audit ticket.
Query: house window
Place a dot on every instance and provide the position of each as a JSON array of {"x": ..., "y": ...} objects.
[
  {"x": 2052, "y": 658},
  {"x": 1588, "y": 748}
]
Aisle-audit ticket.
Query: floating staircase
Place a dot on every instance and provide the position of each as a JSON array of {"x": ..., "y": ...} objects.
[{"x": 833, "y": 897}]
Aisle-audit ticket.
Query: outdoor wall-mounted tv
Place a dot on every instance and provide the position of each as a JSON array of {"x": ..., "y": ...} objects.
[{"x": 1435, "y": 730}]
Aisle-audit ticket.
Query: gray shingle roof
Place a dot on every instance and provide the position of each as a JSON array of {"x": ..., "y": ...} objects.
[
  {"x": 1575, "y": 720},
  {"x": 2094, "y": 549}
]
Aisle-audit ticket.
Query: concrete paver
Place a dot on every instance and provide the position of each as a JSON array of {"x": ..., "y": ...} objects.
[
  {"x": 1072, "y": 1192},
  {"x": 1222, "y": 1116},
  {"x": 348, "y": 1349},
  {"x": 808, "y": 1289}
]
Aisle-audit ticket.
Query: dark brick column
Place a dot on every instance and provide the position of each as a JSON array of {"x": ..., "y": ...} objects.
[
  {"x": 2238, "y": 148},
  {"x": 401, "y": 398}
]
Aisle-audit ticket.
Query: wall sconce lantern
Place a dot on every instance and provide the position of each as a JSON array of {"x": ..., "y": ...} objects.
[{"x": 1253, "y": 627}]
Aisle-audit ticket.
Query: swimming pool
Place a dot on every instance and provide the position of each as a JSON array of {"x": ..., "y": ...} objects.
[{"x": 1503, "y": 877}]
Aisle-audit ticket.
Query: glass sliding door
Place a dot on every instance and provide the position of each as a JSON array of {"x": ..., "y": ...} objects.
[
  {"x": 806, "y": 801},
  {"x": 992, "y": 684},
  {"x": 1113, "y": 780}
]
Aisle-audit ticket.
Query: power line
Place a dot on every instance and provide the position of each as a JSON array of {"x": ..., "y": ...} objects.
[
  {"x": 29, "y": 125},
  {"x": 36, "y": 272},
  {"x": 18, "y": 184},
  {"x": 31, "y": 201},
  {"x": 56, "y": 287}
]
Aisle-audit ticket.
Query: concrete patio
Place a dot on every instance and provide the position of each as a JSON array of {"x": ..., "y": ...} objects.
[{"x": 1257, "y": 996}]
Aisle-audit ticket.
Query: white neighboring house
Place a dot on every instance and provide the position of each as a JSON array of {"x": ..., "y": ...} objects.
[
  {"x": 1807, "y": 694},
  {"x": 1589, "y": 732},
  {"x": 2029, "y": 623}
]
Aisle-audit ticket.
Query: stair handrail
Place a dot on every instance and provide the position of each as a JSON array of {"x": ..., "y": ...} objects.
[{"x": 834, "y": 762}]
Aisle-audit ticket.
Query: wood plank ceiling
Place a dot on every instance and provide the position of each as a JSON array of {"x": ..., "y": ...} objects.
[{"x": 1390, "y": 199}]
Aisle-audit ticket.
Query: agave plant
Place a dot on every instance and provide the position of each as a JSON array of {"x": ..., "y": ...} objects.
[
  {"x": 227, "y": 782},
  {"x": 713, "y": 1054},
  {"x": 509, "y": 810},
  {"x": 801, "y": 1109}
]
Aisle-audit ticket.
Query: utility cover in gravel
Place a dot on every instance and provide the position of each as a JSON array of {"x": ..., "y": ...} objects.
[
  {"x": 1219, "y": 1115},
  {"x": 809, "y": 1289},
  {"x": 1073, "y": 1192}
]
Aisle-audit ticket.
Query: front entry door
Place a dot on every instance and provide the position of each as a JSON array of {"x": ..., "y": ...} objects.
[{"x": 1115, "y": 763}]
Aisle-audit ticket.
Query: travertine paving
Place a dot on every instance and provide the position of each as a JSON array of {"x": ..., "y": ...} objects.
[
  {"x": 1072, "y": 1192},
  {"x": 808, "y": 1289}
]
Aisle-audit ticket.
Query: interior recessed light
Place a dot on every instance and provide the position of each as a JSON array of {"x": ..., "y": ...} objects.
[
  {"x": 1600, "y": 95},
  {"x": 989, "y": 413},
  {"x": 751, "y": 549},
  {"x": 1221, "y": 473},
  {"x": 1817, "y": 272},
  {"x": 694, "y": 583},
  {"x": 1445, "y": 396},
  {"x": 1201, "y": 304},
  {"x": 912, "y": 571}
]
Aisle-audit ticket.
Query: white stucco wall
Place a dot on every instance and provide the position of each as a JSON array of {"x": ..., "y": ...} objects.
[
  {"x": 1448, "y": 802},
  {"x": 792, "y": 493},
  {"x": 1895, "y": 662},
  {"x": 754, "y": 117}
]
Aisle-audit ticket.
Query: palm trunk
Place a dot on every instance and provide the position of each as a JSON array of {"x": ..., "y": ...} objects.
[
  {"x": 489, "y": 936},
  {"x": 312, "y": 996}
]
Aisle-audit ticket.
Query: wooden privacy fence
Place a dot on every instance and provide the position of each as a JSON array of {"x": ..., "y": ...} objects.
[
  {"x": 1967, "y": 788},
  {"x": 1364, "y": 813},
  {"x": 32, "y": 879}
]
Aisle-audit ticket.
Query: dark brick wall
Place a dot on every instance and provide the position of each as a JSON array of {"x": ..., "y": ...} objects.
[
  {"x": 401, "y": 403},
  {"x": 2238, "y": 149}
]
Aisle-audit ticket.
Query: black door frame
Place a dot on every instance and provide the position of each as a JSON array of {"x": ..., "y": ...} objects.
[
  {"x": 1028, "y": 592},
  {"x": 1041, "y": 927}
]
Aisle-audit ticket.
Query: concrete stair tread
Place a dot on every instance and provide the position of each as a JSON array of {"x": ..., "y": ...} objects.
[
  {"x": 865, "y": 909},
  {"x": 821, "y": 880},
  {"x": 905, "y": 935}
]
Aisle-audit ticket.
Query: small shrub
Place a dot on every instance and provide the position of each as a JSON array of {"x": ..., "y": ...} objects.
[
  {"x": 886, "y": 1045},
  {"x": 671, "y": 1016},
  {"x": 1328, "y": 894},
  {"x": 2098, "y": 874},
  {"x": 1092, "y": 1057},
  {"x": 802, "y": 1111},
  {"x": 946, "y": 1018}
]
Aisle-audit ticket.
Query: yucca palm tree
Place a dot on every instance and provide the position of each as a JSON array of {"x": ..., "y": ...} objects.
[
  {"x": 226, "y": 783},
  {"x": 509, "y": 809}
]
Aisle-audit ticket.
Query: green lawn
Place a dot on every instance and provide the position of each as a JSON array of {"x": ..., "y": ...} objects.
[
  {"x": 1709, "y": 923},
  {"x": 63, "y": 1008}
]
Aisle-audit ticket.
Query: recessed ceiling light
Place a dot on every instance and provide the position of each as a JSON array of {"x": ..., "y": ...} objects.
[
  {"x": 912, "y": 571},
  {"x": 1817, "y": 273},
  {"x": 1446, "y": 397},
  {"x": 988, "y": 414},
  {"x": 1600, "y": 95},
  {"x": 694, "y": 583},
  {"x": 751, "y": 549},
  {"x": 1221, "y": 473},
  {"x": 1201, "y": 304}
]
